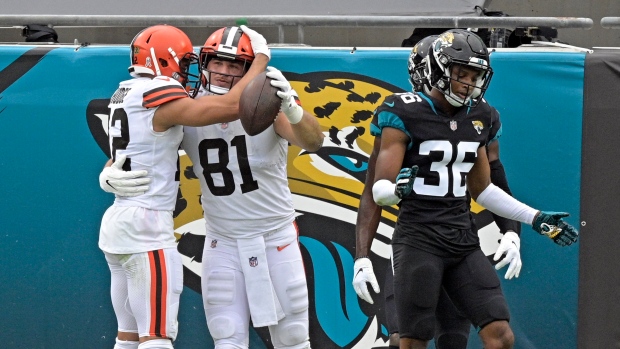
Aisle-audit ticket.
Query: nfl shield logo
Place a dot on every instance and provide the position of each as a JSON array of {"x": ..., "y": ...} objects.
[
  {"x": 253, "y": 261},
  {"x": 213, "y": 243},
  {"x": 453, "y": 125}
]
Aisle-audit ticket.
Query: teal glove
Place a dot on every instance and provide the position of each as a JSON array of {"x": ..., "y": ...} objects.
[
  {"x": 551, "y": 225},
  {"x": 404, "y": 181}
]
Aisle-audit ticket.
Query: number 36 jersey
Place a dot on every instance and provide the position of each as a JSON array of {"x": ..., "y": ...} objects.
[
  {"x": 444, "y": 148},
  {"x": 243, "y": 178}
]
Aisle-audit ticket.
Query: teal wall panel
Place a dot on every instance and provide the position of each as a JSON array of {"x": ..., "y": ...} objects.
[{"x": 55, "y": 280}]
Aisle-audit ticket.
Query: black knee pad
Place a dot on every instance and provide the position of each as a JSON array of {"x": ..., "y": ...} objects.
[
  {"x": 420, "y": 295},
  {"x": 424, "y": 328},
  {"x": 451, "y": 341},
  {"x": 498, "y": 310},
  {"x": 417, "y": 283}
]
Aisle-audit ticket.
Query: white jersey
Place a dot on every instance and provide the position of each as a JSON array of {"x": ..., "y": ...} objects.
[
  {"x": 131, "y": 133},
  {"x": 243, "y": 179},
  {"x": 143, "y": 223}
]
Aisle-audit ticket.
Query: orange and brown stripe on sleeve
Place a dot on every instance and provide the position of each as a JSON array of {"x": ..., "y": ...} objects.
[{"x": 158, "y": 96}]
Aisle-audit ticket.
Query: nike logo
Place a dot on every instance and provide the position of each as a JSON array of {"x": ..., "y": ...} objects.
[
  {"x": 359, "y": 271},
  {"x": 280, "y": 248},
  {"x": 108, "y": 183},
  {"x": 391, "y": 105}
]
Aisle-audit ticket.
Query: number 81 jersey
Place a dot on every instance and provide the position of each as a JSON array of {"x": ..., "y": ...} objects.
[
  {"x": 444, "y": 148},
  {"x": 243, "y": 178}
]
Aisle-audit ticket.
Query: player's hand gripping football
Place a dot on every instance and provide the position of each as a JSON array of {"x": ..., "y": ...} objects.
[
  {"x": 123, "y": 183},
  {"x": 509, "y": 247},
  {"x": 258, "y": 42},
  {"x": 552, "y": 226},
  {"x": 362, "y": 274},
  {"x": 404, "y": 181},
  {"x": 290, "y": 101}
]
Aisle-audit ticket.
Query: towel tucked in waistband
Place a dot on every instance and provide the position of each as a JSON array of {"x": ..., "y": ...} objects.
[{"x": 265, "y": 308}]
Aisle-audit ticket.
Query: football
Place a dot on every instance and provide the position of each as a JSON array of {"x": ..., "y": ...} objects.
[{"x": 259, "y": 105}]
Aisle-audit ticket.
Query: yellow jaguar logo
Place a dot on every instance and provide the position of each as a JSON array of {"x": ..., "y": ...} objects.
[{"x": 478, "y": 126}]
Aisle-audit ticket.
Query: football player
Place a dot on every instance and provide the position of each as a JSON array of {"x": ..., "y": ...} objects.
[
  {"x": 252, "y": 264},
  {"x": 432, "y": 151},
  {"x": 452, "y": 328},
  {"x": 145, "y": 130}
]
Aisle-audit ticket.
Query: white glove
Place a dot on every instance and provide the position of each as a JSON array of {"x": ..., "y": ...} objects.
[
  {"x": 258, "y": 42},
  {"x": 123, "y": 183},
  {"x": 290, "y": 107},
  {"x": 363, "y": 273},
  {"x": 510, "y": 245}
]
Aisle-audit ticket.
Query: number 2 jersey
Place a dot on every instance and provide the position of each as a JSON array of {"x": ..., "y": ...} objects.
[
  {"x": 143, "y": 223},
  {"x": 243, "y": 178},
  {"x": 435, "y": 217},
  {"x": 133, "y": 106}
]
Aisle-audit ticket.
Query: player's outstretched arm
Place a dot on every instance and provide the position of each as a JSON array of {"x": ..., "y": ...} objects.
[
  {"x": 294, "y": 123},
  {"x": 496, "y": 200},
  {"x": 217, "y": 108}
]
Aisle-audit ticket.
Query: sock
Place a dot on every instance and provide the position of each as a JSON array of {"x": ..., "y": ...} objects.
[
  {"x": 126, "y": 344},
  {"x": 156, "y": 344}
]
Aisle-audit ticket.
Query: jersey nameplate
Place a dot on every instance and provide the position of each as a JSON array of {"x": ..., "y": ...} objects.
[{"x": 119, "y": 95}]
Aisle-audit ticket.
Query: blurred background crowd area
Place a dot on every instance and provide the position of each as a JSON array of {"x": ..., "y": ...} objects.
[{"x": 324, "y": 36}]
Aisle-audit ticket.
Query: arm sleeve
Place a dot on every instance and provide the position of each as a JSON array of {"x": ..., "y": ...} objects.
[
  {"x": 496, "y": 200},
  {"x": 498, "y": 177}
]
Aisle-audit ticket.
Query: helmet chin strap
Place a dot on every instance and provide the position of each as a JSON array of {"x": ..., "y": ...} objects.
[
  {"x": 427, "y": 89},
  {"x": 212, "y": 88},
  {"x": 217, "y": 90},
  {"x": 477, "y": 89},
  {"x": 457, "y": 101}
]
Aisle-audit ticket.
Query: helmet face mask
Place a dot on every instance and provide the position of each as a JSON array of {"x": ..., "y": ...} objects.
[
  {"x": 225, "y": 44},
  {"x": 189, "y": 79},
  {"x": 221, "y": 80},
  {"x": 163, "y": 50},
  {"x": 454, "y": 55},
  {"x": 469, "y": 82}
]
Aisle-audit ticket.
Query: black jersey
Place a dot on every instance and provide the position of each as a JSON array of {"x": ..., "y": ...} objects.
[
  {"x": 494, "y": 133},
  {"x": 435, "y": 216}
]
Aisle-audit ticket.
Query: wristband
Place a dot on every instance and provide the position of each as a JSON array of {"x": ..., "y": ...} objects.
[
  {"x": 295, "y": 114},
  {"x": 383, "y": 193}
]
